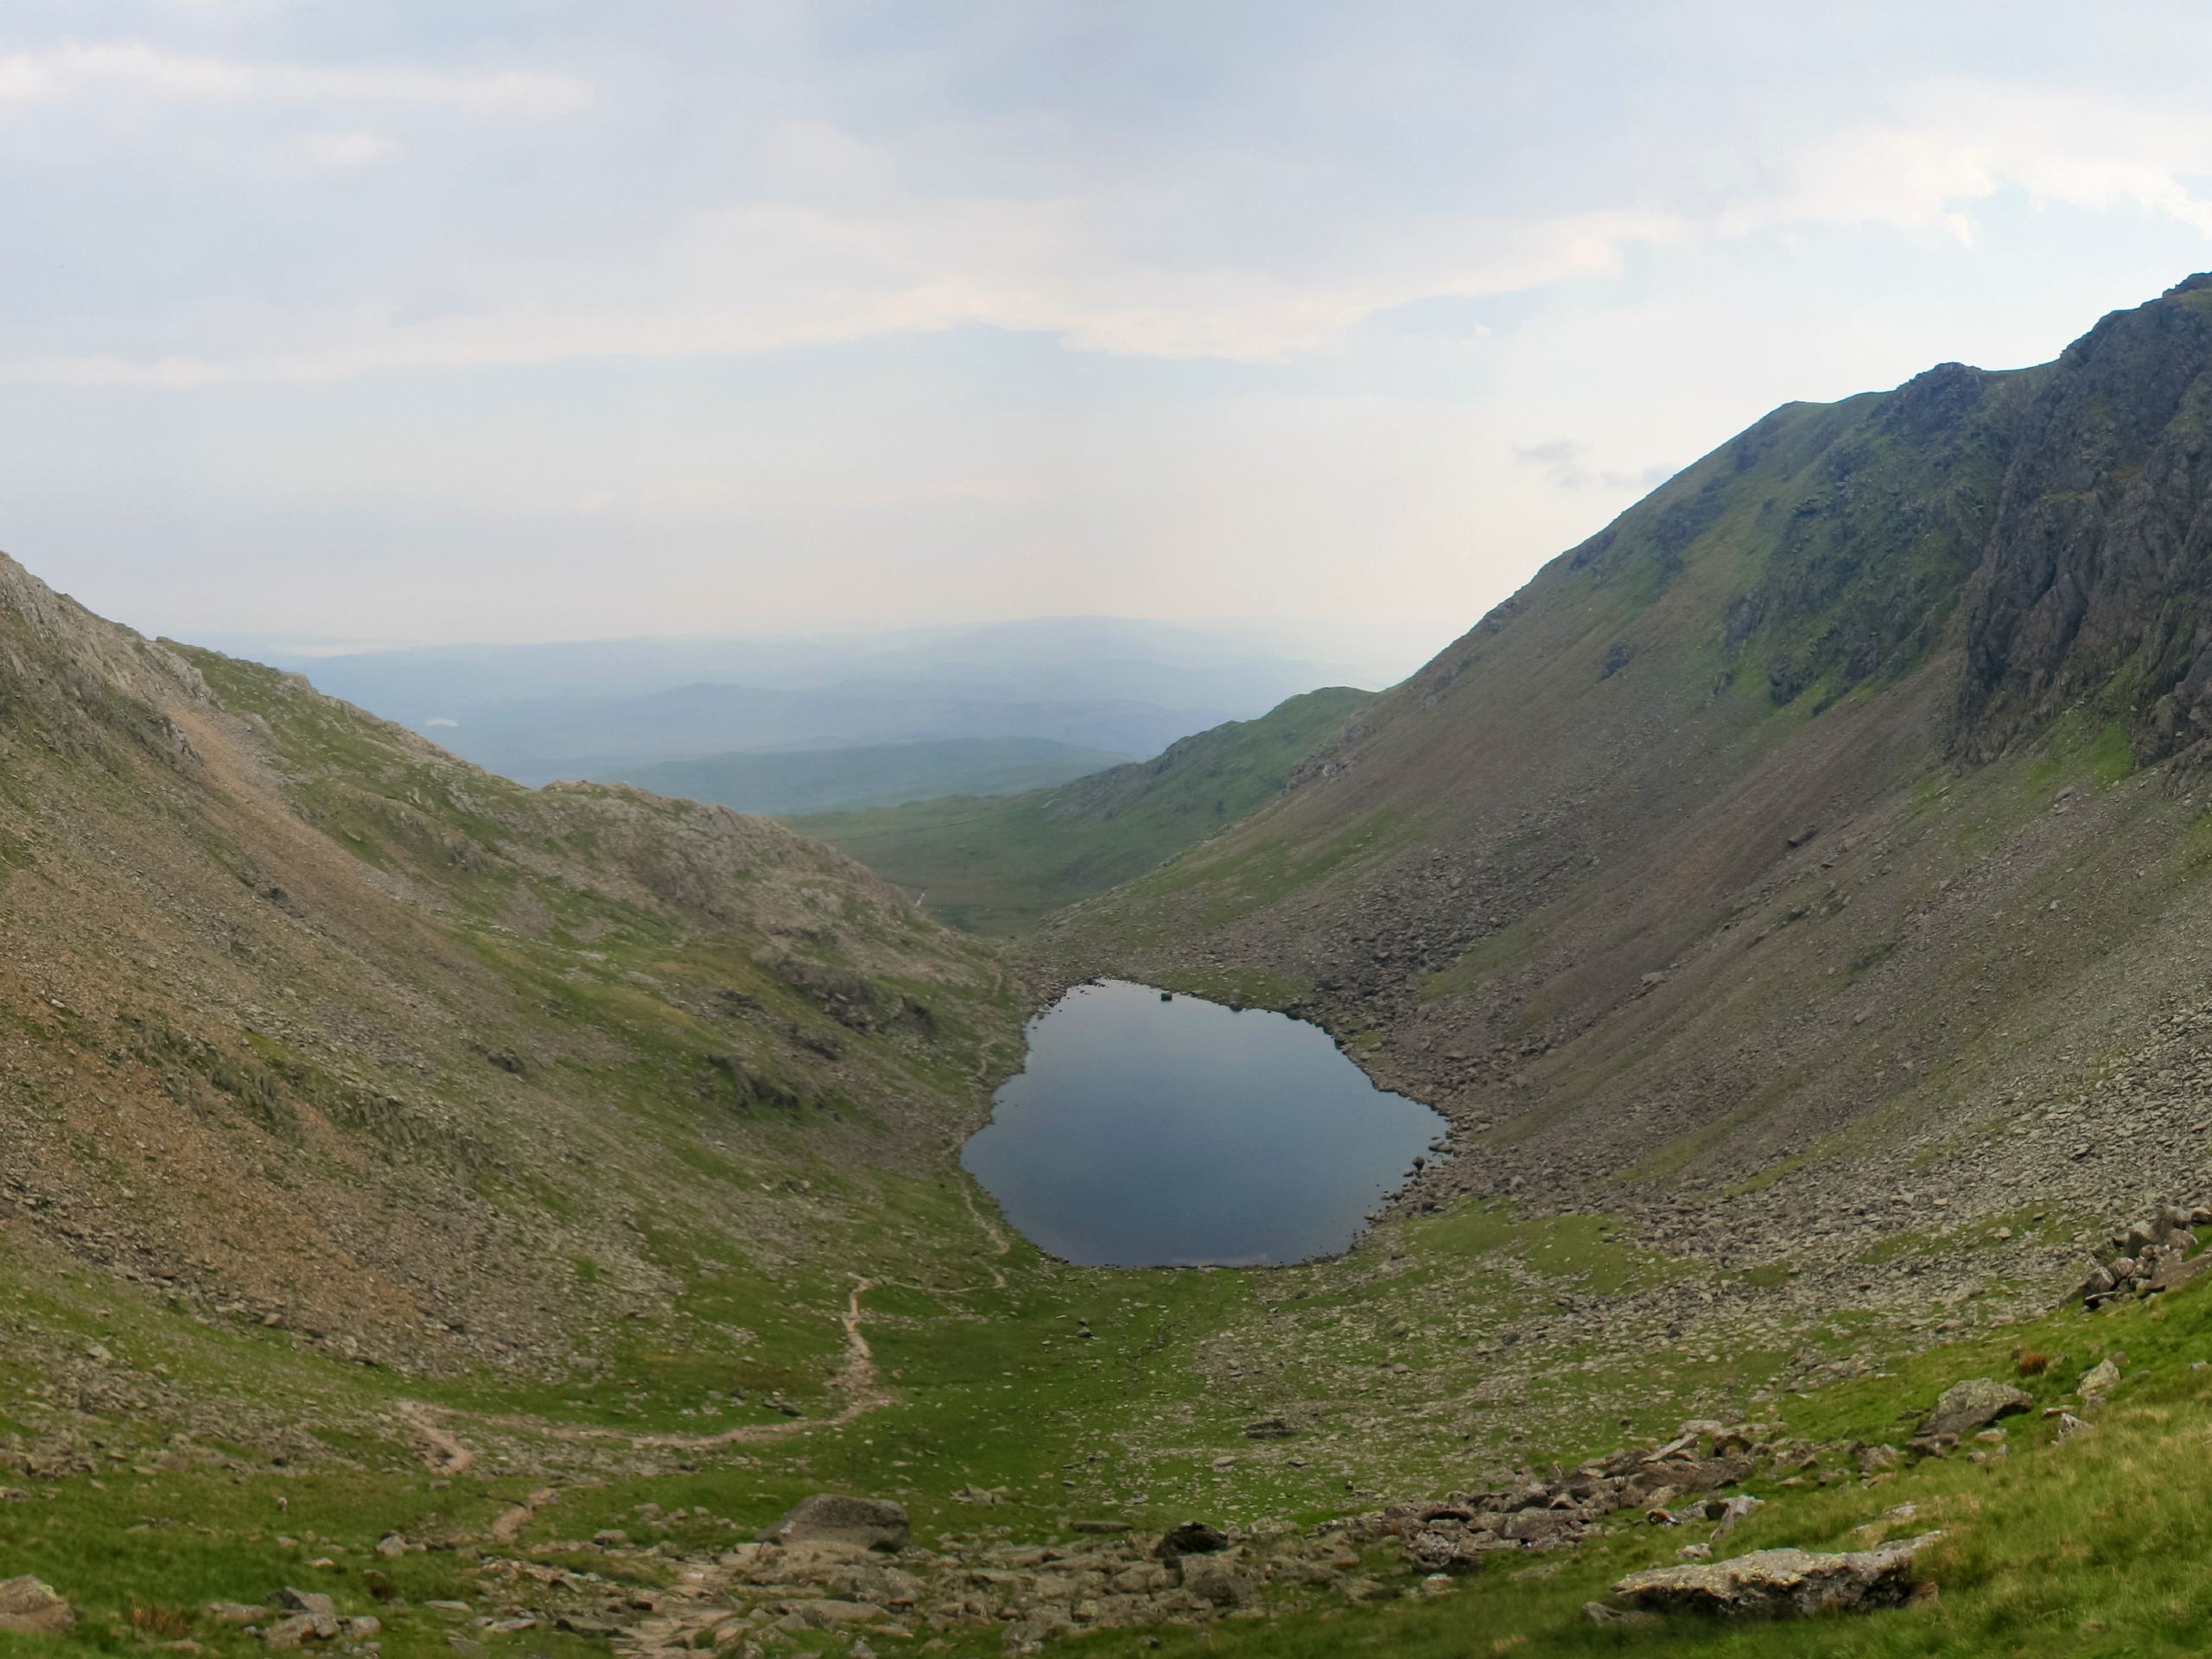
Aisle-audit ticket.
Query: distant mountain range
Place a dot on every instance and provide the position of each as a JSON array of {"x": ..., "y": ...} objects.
[{"x": 611, "y": 709}]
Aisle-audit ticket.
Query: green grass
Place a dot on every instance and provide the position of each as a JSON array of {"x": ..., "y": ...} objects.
[{"x": 2093, "y": 1548}]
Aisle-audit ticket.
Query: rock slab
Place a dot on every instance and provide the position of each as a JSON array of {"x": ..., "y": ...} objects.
[{"x": 1779, "y": 1583}]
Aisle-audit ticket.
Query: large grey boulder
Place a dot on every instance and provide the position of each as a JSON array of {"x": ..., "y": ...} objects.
[
  {"x": 30, "y": 1607},
  {"x": 857, "y": 1522},
  {"x": 1975, "y": 1403},
  {"x": 1779, "y": 1583}
]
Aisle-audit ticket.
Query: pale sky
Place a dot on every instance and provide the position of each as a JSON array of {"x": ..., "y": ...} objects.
[{"x": 537, "y": 318}]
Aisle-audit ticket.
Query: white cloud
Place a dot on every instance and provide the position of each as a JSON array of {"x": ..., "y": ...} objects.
[
  {"x": 774, "y": 277},
  {"x": 837, "y": 239},
  {"x": 347, "y": 149},
  {"x": 1957, "y": 144},
  {"x": 61, "y": 73},
  {"x": 1566, "y": 463}
]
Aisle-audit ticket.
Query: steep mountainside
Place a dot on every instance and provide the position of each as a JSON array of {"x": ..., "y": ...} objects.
[
  {"x": 1829, "y": 823},
  {"x": 995, "y": 864},
  {"x": 309, "y": 1022}
]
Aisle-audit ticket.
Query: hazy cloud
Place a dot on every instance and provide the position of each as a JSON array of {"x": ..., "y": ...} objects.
[
  {"x": 834, "y": 245},
  {"x": 136, "y": 67},
  {"x": 782, "y": 308},
  {"x": 347, "y": 149},
  {"x": 1566, "y": 464}
]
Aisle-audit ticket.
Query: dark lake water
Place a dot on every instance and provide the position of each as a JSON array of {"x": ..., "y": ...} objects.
[{"x": 1184, "y": 1133}]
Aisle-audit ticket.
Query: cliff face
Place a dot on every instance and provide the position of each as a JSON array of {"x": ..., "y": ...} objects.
[
  {"x": 67, "y": 676},
  {"x": 2095, "y": 577}
]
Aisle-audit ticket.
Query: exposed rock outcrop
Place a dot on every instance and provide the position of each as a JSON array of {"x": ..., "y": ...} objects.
[{"x": 1779, "y": 1583}]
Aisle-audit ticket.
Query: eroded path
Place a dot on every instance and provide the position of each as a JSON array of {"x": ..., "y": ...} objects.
[
  {"x": 855, "y": 1380},
  {"x": 857, "y": 1384},
  {"x": 448, "y": 1456}
]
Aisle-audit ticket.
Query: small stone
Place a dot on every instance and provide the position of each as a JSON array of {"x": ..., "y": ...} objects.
[{"x": 2099, "y": 1381}]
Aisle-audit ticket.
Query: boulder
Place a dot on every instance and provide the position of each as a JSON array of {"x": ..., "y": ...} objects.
[
  {"x": 1976, "y": 1403},
  {"x": 1779, "y": 1583},
  {"x": 2100, "y": 1380},
  {"x": 1705, "y": 1474},
  {"x": 1192, "y": 1538},
  {"x": 29, "y": 1606},
  {"x": 1730, "y": 1510},
  {"x": 307, "y": 1601},
  {"x": 287, "y": 1634},
  {"x": 1226, "y": 1577},
  {"x": 825, "y": 1518},
  {"x": 1540, "y": 1528},
  {"x": 1447, "y": 1549},
  {"x": 2175, "y": 1271}
]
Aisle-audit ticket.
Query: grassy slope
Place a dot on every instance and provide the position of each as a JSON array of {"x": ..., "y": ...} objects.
[
  {"x": 996, "y": 864},
  {"x": 2090, "y": 1548},
  {"x": 541, "y": 1090},
  {"x": 872, "y": 775}
]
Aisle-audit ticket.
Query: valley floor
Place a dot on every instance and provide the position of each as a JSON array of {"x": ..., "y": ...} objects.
[{"x": 168, "y": 1463}]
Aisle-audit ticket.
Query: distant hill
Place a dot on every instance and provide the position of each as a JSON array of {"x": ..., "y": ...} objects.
[
  {"x": 601, "y": 709},
  {"x": 872, "y": 774},
  {"x": 992, "y": 865}
]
